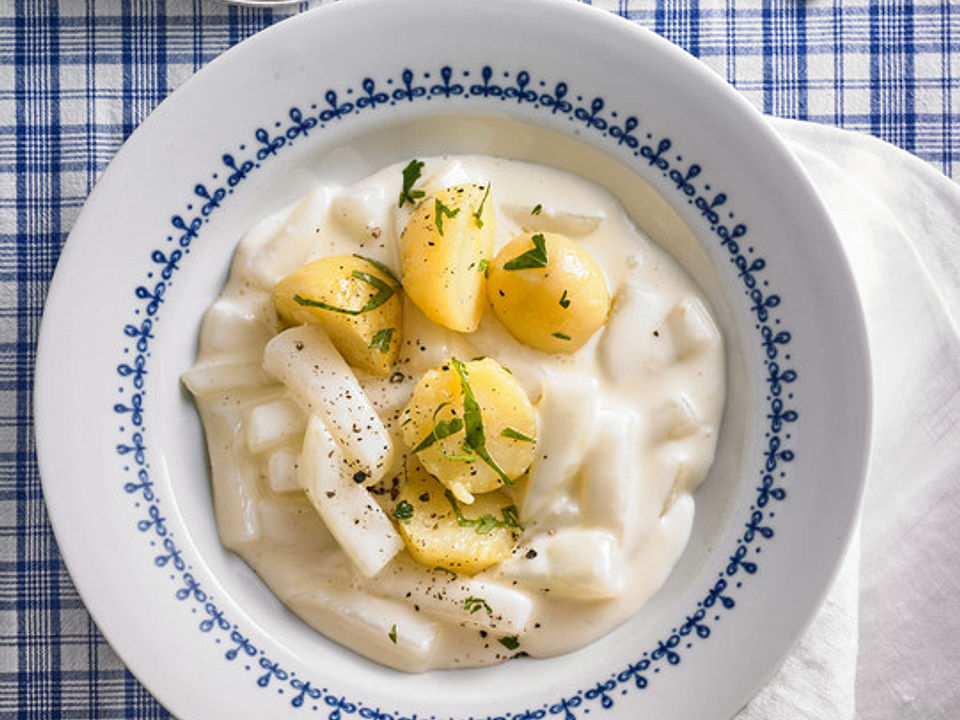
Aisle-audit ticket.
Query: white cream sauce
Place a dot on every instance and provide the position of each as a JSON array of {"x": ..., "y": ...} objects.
[{"x": 627, "y": 430}]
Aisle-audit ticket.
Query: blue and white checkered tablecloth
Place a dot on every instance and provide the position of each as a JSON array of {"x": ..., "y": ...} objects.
[{"x": 76, "y": 78}]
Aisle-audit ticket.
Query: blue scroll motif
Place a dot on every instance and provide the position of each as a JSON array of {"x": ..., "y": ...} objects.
[
  {"x": 239, "y": 171},
  {"x": 592, "y": 118},
  {"x": 154, "y": 296},
  {"x": 301, "y": 126},
  {"x": 144, "y": 485},
  {"x": 270, "y": 146},
  {"x": 135, "y": 372},
  {"x": 340, "y": 706},
  {"x": 241, "y": 645},
  {"x": 216, "y": 619},
  {"x": 624, "y": 135},
  {"x": 134, "y": 409},
  {"x": 635, "y": 672},
  {"x": 602, "y": 691},
  {"x": 447, "y": 88},
  {"x": 189, "y": 230},
  {"x": 142, "y": 334},
  {"x": 555, "y": 102},
  {"x": 566, "y": 706},
  {"x": 657, "y": 157},
  {"x": 520, "y": 91},
  {"x": 335, "y": 109},
  {"x": 487, "y": 88},
  {"x": 767, "y": 491},
  {"x": 273, "y": 671},
  {"x": 211, "y": 200},
  {"x": 410, "y": 90}
]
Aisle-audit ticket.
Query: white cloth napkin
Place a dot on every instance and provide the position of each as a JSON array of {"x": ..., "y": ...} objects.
[{"x": 886, "y": 643}]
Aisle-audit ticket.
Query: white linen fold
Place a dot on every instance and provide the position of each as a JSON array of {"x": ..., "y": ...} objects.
[{"x": 886, "y": 643}]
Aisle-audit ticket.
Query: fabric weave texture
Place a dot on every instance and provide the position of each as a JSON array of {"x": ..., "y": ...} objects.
[{"x": 78, "y": 76}]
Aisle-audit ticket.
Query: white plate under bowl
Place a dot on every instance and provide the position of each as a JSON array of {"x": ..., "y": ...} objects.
[{"x": 336, "y": 93}]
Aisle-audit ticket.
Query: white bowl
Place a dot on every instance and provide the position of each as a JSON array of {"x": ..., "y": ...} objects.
[{"x": 349, "y": 88}]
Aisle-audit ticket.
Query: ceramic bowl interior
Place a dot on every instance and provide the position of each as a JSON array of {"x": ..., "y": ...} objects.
[{"x": 354, "y": 157}]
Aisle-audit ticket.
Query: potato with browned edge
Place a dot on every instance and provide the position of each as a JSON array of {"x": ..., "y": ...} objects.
[
  {"x": 445, "y": 248},
  {"x": 548, "y": 291},
  {"x": 355, "y": 299}
]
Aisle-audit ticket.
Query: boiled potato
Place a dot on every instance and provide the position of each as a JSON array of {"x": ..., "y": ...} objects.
[
  {"x": 440, "y": 532},
  {"x": 355, "y": 300},
  {"x": 445, "y": 249},
  {"x": 548, "y": 292},
  {"x": 471, "y": 425}
]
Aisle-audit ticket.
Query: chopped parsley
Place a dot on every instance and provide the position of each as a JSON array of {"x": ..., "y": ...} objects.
[
  {"x": 384, "y": 293},
  {"x": 381, "y": 267},
  {"x": 536, "y": 258},
  {"x": 479, "y": 212},
  {"x": 442, "y": 429},
  {"x": 451, "y": 573},
  {"x": 513, "y": 434},
  {"x": 484, "y": 267},
  {"x": 411, "y": 173},
  {"x": 564, "y": 300},
  {"x": 381, "y": 340},
  {"x": 486, "y": 522},
  {"x": 561, "y": 336},
  {"x": 510, "y": 642},
  {"x": 403, "y": 511},
  {"x": 475, "y": 440},
  {"x": 537, "y": 209},
  {"x": 473, "y": 604},
  {"x": 440, "y": 210},
  {"x": 393, "y": 634}
]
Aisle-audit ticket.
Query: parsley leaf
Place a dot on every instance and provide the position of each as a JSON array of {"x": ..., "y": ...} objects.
[
  {"x": 473, "y": 604},
  {"x": 564, "y": 300},
  {"x": 510, "y": 642},
  {"x": 384, "y": 293},
  {"x": 561, "y": 336},
  {"x": 511, "y": 518},
  {"x": 411, "y": 173},
  {"x": 509, "y": 432},
  {"x": 393, "y": 634},
  {"x": 381, "y": 340},
  {"x": 440, "y": 210},
  {"x": 536, "y": 258},
  {"x": 479, "y": 212},
  {"x": 441, "y": 430},
  {"x": 381, "y": 267},
  {"x": 537, "y": 209},
  {"x": 403, "y": 511},
  {"x": 486, "y": 522},
  {"x": 475, "y": 439},
  {"x": 484, "y": 267}
]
